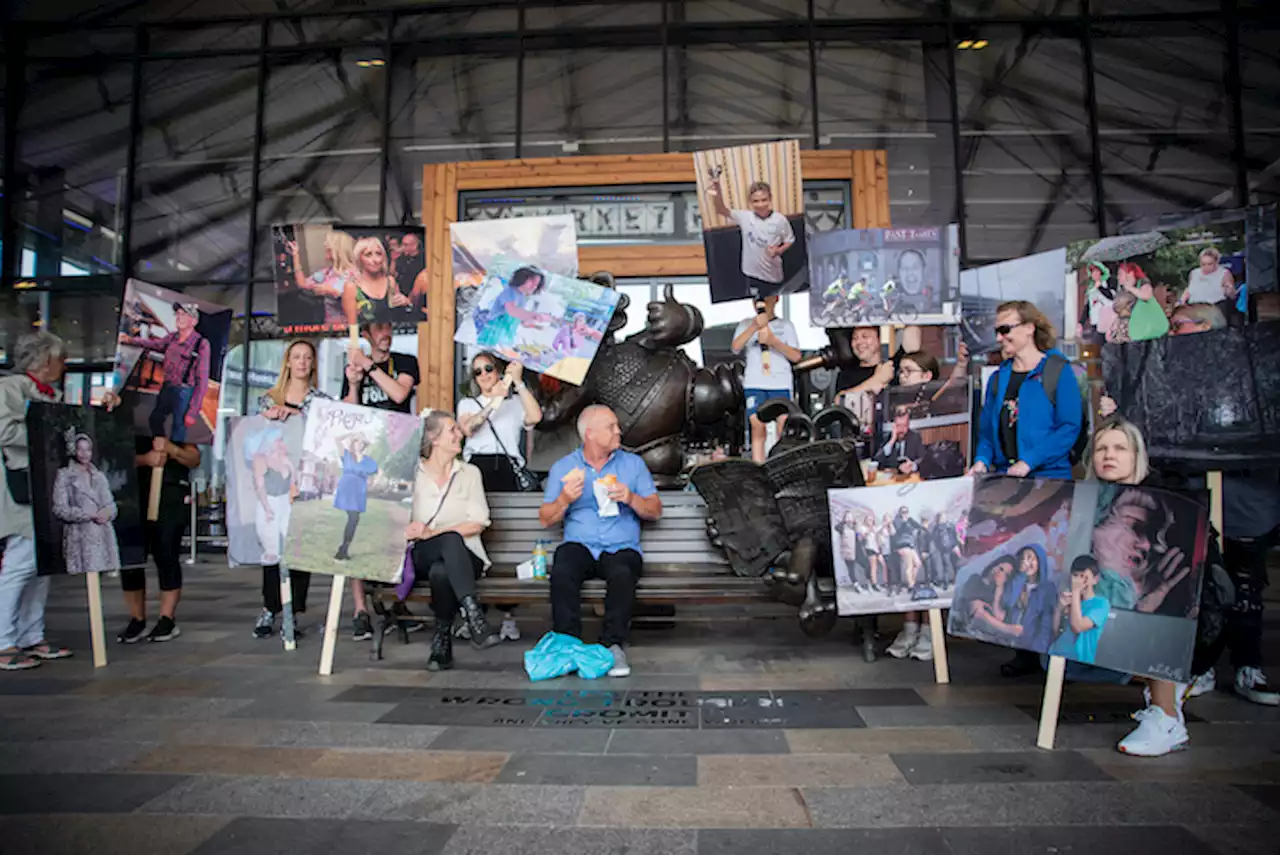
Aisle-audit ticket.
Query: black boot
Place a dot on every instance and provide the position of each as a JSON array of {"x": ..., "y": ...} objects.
[
  {"x": 482, "y": 635},
  {"x": 441, "y": 647}
]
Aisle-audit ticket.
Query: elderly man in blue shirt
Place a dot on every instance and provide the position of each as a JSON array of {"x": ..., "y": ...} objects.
[{"x": 601, "y": 493}]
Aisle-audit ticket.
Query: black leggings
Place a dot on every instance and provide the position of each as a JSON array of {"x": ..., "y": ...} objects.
[
  {"x": 450, "y": 568},
  {"x": 299, "y": 584},
  {"x": 164, "y": 542},
  {"x": 349, "y": 533}
]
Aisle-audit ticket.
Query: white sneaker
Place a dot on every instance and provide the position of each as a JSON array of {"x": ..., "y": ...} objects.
[
  {"x": 1204, "y": 684},
  {"x": 1157, "y": 734},
  {"x": 509, "y": 630},
  {"x": 1251, "y": 684},
  {"x": 923, "y": 648},
  {"x": 904, "y": 642},
  {"x": 620, "y": 666}
]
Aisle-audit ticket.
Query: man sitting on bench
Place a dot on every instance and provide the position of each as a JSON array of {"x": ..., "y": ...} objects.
[{"x": 601, "y": 492}]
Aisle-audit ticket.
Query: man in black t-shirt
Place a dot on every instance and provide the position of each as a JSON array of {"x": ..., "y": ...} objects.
[
  {"x": 382, "y": 379},
  {"x": 385, "y": 381},
  {"x": 407, "y": 266}
]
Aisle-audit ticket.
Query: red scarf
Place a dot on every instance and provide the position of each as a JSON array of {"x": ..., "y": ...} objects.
[{"x": 42, "y": 387}]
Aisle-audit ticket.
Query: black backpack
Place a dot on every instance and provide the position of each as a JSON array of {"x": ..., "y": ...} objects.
[{"x": 1053, "y": 368}]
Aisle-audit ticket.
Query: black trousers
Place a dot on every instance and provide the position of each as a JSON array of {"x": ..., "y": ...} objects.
[
  {"x": 1246, "y": 563},
  {"x": 164, "y": 542},
  {"x": 496, "y": 472},
  {"x": 450, "y": 569},
  {"x": 299, "y": 585},
  {"x": 573, "y": 565}
]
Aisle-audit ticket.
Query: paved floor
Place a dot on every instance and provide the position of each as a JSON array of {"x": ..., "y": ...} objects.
[{"x": 735, "y": 735}]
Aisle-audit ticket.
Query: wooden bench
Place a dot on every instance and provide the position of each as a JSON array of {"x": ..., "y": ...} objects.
[{"x": 680, "y": 564}]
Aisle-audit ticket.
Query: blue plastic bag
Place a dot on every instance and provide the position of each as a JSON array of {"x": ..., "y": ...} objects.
[{"x": 556, "y": 655}]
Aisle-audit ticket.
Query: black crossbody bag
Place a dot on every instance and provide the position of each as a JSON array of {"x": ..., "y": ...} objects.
[{"x": 526, "y": 481}]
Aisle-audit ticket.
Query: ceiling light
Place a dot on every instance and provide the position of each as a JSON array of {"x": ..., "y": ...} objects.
[
  {"x": 965, "y": 45},
  {"x": 980, "y": 44},
  {"x": 371, "y": 63}
]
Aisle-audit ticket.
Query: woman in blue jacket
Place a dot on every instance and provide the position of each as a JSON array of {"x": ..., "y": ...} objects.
[
  {"x": 1031, "y": 599},
  {"x": 1025, "y": 429}
]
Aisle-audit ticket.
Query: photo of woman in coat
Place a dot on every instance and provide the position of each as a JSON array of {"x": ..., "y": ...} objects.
[
  {"x": 352, "y": 494},
  {"x": 82, "y": 500}
]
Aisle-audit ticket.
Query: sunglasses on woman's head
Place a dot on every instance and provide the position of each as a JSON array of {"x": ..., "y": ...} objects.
[{"x": 486, "y": 368}]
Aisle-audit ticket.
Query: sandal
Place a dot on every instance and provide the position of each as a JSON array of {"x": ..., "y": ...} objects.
[
  {"x": 45, "y": 650},
  {"x": 16, "y": 660}
]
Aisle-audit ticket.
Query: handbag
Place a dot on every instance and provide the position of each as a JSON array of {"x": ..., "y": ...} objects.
[
  {"x": 19, "y": 482},
  {"x": 407, "y": 574},
  {"x": 526, "y": 481}
]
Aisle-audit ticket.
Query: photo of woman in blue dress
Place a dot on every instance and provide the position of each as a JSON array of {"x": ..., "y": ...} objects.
[{"x": 352, "y": 493}]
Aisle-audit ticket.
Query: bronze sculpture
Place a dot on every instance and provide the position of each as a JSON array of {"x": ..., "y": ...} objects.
[{"x": 660, "y": 395}]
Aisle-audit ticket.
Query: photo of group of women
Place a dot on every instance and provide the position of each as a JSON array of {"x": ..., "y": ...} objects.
[
  {"x": 898, "y": 550},
  {"x": 549, "y": 324},
  {"x": 359, "y": 530},
  {"x": 168, "y": 361},
  {"x": 1103, "y": 575},
  {"x": 85, "y": 499},
  {"x": 875, "y": 276},
  {"x": 751, "y": 199},
  {"x": 329, "y": 277},
  {"x": 262, "y": 459}
]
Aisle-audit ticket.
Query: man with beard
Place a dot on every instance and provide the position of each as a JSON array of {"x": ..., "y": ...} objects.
[
  {"x": 186, "y": 373},
  {"x": 385, "y": 381}
]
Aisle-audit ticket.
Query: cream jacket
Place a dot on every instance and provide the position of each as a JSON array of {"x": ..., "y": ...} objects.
[
  {"x": 15, "y": 391},
  {"x": 465, "y": 502}
]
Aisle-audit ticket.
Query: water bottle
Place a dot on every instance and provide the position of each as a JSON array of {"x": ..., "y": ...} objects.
[{"x": 540, "y": 559}]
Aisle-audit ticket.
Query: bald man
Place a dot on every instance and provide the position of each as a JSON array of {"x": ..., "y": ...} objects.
[{"x": 601, "y": 493}]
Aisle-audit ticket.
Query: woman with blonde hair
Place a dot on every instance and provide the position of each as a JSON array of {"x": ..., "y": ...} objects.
[
  {"x": 295, "y": 388},
  {"x": 330, "y": 283},
  {"x": 371, "y": 293}
]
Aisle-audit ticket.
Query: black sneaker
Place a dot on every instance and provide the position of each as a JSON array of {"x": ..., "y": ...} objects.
[
  {"x": 401, "y": 611},
  {"x": 132, "y": 633},
  {"x": 164, "y": 630},
  {"x": 266, "y": 625},
  {"x": 361, "y": 627}
]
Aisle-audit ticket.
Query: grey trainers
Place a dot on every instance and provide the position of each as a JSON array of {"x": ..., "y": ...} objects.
[{"x": 621, "y": 668}]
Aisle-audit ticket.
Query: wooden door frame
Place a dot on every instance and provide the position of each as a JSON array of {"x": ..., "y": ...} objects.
[{"x": 866, "y": 171}]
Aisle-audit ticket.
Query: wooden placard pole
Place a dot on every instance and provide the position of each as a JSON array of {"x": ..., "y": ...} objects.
[
  {"x": 331, "y": 620},
  {"x": 97, "y": 627},
  {"x": 153, "y": 496},
  {"x": 941, "y": 670},
  {"x": 1051, "y": 703},
  {"x": 288, "y": 626},
  {"x": 1214, "y": 482}
]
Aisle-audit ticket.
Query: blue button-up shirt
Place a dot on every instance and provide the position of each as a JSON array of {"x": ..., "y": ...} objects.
[{"x": 582, "y": 521}]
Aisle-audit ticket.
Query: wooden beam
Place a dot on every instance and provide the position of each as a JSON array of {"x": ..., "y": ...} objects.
[{"x": 435, "y": 338}]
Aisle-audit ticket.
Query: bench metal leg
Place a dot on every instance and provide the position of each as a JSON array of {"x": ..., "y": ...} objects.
[{"x": 374, "y": 602}]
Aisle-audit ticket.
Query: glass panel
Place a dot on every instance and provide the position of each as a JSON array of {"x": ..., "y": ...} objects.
[
  {"x": 592, "y": 102},
  {"x": 893, "y": 96},
  {"x": 1025, "y": 144},
  {"x": 875, "y": 8},
  {"x": 87, "y": 323},
  {"x": 72, "y": 144},
  {"x": 735, "y": 11},
  {"x": 191, "y": 218},
  {"x": 592, "y": 15},
  {"x": 718, "y": 99},
  {"x": 303, "y": 31},
  {"x": 203, "y": 37},
  {"x": 456, "y": 22},
  {"x": 1260, "y": 101},
  {"x": 78, "y": 43},
  {"x": 1164, "y": 122}
]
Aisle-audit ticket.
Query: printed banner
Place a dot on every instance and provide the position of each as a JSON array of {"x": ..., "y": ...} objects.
[
  {"x": 753, "y": 224},
  {"x": 547, "y": 243},
  {"x": 919, "y": 433},
  {"x": 1101, "y": 574},
  {"x": 1140, "y": 287},
  {"x": 898, "y": 550},
  {"x": 1259, "y": 237},
  {"x": 1034, "y": 278},
  {"x": 85, "y": 499},
  {"x": 880, "y": 276},
  {"x": 548, "y": 323},
  {"x": 168, "y": 362},
  {"x": 363, "y": 463},
  {"x": 329, "y": 277},
  {"x": 263, "y": 466}
]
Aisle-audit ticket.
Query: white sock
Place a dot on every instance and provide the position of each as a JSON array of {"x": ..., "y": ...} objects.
[{"x": 911, "y": 628}]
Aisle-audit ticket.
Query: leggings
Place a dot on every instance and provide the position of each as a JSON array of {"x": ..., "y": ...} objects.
[
  {"x": 450, "y": 568},
  {"x": 299, "y": 584},
  {"x": 349, "y": 533},
  {"x": 164, "y": 542}
]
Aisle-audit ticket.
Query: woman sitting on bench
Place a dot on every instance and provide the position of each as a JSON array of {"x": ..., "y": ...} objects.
[{"x": 449, "y": 512}]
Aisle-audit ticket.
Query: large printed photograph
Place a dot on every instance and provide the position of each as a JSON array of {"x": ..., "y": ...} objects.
[
  {"x": 1035, "y": 278},
  {"x": 329, "y": 277},
  {"x": 352, "y": 508},
  {"x": 168, "y": 362},
  {"x": 751, "y": 200},
  {"x": 921, "y": 431},
  {"x": 549, "y": 324},
  {"x": 898, "y": 550},
  {"x": 263, "y": 461},
  {"x": 549, "y": 243},
  {"x": 878, "y": 276},
  {"x": 85, "y": 499}
]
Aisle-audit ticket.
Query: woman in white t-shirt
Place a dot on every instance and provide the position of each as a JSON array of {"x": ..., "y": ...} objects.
[
  {"x": 1211, "y": 282},
  {"x": 493, "y": 421}
]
